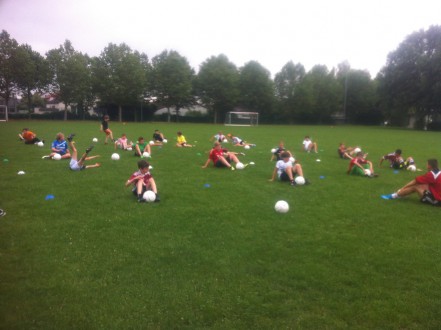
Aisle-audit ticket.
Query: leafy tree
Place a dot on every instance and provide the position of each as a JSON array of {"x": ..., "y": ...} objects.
[
  {"x": 217, "y": 85},
  {"x": 409, "y": 83},
  {"x": 172, "y": 80},
  {"x": 32, "y": 74},
  {"x": 8, "y": 65},
  {"x": 256, "y": 89},
  {"x": 286, "y": 84},
  {"x": 318, "y": 96},
  {"x": 120, "y": 76},
  {"x": 70, "y": 75}
]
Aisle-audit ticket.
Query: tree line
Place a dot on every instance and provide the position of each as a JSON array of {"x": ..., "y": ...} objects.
[{"x": 121, "y": 78}]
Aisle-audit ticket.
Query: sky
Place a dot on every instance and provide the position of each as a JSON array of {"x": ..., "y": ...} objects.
[{"x": 309, "y": 32}]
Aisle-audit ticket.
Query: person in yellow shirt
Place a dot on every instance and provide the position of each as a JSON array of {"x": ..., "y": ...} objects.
[{"x": 182, "y": 142}]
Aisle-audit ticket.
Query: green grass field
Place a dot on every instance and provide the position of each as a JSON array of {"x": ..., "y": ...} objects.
[{"x": 216, "y": 257}]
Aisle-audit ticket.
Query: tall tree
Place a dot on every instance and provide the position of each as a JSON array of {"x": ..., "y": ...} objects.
[
  {"x": 409, "y": 83},
  {"x": 318, "y": 97},
  {"x": 32, "y": 74},
  {"x": 286, "y": 84},
  {"x": 120, "y": 76},
  {"x": 70, "y": 74},
  {"x": 172, "y": 79},
  {"x": 256, "y": 89},
  {"x": 217, "y": 85},
  {"x": 8, "y": 65}
]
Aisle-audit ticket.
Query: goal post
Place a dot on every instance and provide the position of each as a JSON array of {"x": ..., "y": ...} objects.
[
  {"x": 240, "y": 118},
  {"x": 3, "y": 113}
]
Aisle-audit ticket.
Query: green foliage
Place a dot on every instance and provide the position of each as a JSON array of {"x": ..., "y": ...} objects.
[
  {"x": 172, "y": 79},
  {"x": 120, "y": 76},
  {"x": 219, "y": 256},
  {"x": 256, "y": 89},
  {"x": 410, "y": 80},
  {"x": 217, "y": 86}
]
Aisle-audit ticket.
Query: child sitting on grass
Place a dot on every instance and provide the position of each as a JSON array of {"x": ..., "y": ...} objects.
[{"x": 142, "y": 181}]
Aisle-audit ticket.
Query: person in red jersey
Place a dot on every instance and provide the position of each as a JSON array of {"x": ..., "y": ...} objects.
[
  {"x": 359, "y": 165},
  {"x": 221, "y": 157},
  {"x": 396, "y": 160},
  {"x": 142, "y": 180},
  {"x": 427, "y": 186}
]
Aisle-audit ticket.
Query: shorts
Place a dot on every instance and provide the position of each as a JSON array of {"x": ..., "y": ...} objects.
[
  {"x": 219, "y": 163},
  {"x": 429, "y": 199},
  {"x": 284, "y": 177},
  {"x": 358, "y": 171},
  {"x": 107, "y": 131},
  {"x": 398, "y": 165},
  {"x": 74, "y": 166}
]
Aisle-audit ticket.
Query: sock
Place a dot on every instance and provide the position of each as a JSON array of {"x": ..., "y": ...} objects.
[{"x": 394, "y": 195}]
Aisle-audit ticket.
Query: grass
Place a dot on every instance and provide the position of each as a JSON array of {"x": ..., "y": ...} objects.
[{"x": 217, "y": 257}]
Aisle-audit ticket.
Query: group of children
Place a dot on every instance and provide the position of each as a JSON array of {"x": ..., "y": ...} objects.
[{"x": 427, "y": 186}]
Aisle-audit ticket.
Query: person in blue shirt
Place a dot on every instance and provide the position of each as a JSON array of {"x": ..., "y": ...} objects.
[{"x": 59, "y": 146}]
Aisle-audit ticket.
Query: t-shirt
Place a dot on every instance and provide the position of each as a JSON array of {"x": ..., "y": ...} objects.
[
  {"x": 281, "y": 166},
  {"x": 236, "y": 140},
  {"x": 141, "y": 146},
  {"x": 433, "y": 179},
  {"x": 393, "y": 158},
  {"x": 105, "y": 125},
  {"x": 356, "y": 160},
  {"x": 215, "y": 154},
  {"x": 146, "y": 177},
  {"x": 306, "y": 144},
  {"x": 28, "y": 136},
  {"x": 157, "y": 137},
  {"x": 60, "y": 146},
  {"x": 181, "y": 139},
  {"x": 219, "y": 137}
]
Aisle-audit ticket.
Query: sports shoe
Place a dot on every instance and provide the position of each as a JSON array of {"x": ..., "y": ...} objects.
[
  {"x": 89, "y": 149},
  {"x": 387, "y": 196},
  {"x": 245, "y": 165},
  {"x": 157, "y": 199},
  {"x": 46, "y": 157},
  {"x": 242, "y": 153},
  {"x": 293, "y": 183},
  {"x": 307, "y": 181},
  {"x": 70, "y": 137},
  {"x": 232, "y": 168},
  {"x": 2, "y": 213}
]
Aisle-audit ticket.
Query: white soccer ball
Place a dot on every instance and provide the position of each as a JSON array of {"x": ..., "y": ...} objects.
[
  {"x": 357, "y": 150},
  {"x": 40, "y": 144},
  {"x": 145, "y": 154},
  {"x": 152, "y": 142},
  {"x": 56, "y": 157},
  {"x": 300, "y": 180},
  {"x": 129, "y": 149},
  {"x": 225, "y": 141},
  {"x": 367, "y": 172},
  {"x": 247, "y": 147},
  {"x": 281, "y": 207},
  {"x": 95, "y": 140},
  {"x": 273, "y": 150},
  {"x": 411, "y": 168},
  {"x": 165, "y": 141},
  {"x": 149, "y": 196},
  {"x": 20, "y": 172},
  {"x": 115, "y": 156},
  {"x": 292, "y": 159},
  {"x": 240, "y": 166},
  {"x": 252, "y": 163}
]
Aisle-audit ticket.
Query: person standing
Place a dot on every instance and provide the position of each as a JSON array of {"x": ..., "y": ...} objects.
[{"x": 105, "y": 128}]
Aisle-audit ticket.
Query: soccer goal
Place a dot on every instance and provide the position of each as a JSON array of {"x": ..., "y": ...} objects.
[
  {"x": 3, "y": 113},
  {"x": 236, "y": 118}
]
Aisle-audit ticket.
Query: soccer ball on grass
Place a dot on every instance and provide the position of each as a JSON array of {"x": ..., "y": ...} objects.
[
  {"x": 115, "y": 156},
  {"x": 281, "y": 207},
  {"x": 149, "y": 196}
]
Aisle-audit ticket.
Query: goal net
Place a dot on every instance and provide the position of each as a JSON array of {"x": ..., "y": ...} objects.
[
  {"x": 3, "y": 113},
  {"x": 236, "y": 118}
]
